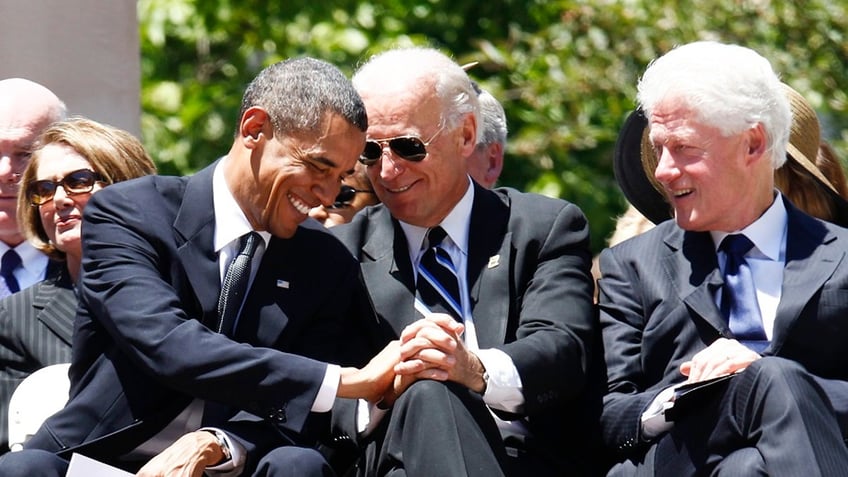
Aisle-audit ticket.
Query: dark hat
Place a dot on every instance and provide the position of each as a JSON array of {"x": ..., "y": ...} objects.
[
  {"x": 629, "y": 168},
  {"x": 634, "y": 161}
]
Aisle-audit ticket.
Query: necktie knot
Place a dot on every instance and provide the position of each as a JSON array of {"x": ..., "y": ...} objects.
[
  {"x": 435, "y": 236},
  {"x": 10, "y": 261},
  {"x": 736, "y": 244}
]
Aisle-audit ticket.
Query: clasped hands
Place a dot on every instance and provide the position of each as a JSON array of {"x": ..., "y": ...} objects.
[
  {"x": 430, "y": 348},
  {"x": 723, "y": 356}
]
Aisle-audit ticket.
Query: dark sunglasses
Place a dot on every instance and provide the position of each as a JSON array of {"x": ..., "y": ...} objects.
[
  {"x": 76, "y": 182},
  {"x": 346, "y": 195},
  {"x": 410, "y": 148}
]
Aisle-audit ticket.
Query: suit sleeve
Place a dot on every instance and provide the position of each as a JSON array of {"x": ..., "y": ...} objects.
[
  {"x": 557, "y": 326},
  {"x": 623, "y": 319},
  {"x": 127, "y": 288}
]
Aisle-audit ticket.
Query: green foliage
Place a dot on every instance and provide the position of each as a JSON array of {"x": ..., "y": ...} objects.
[{"x": 565, "y": 70}]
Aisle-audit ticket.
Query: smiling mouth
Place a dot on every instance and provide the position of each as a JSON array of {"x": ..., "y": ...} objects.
[
  {"x": 680, "y": 193},
  {"x": 299, "y": 205},
  {"x": 400, "y": 189}
]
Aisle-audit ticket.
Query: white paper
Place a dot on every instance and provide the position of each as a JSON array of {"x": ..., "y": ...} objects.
[{"x": 82, "y": 466}]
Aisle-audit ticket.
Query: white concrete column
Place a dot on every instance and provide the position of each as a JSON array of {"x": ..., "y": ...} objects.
[{"x": 85, "y": 51}]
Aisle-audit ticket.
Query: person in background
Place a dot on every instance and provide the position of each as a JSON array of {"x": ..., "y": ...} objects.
[
  {"x": 812, "y": 178},
  {"x": 486, "y": 161},
  {"x": 355, "y": 194},
  {"x": 70, "y": 162},
  {"x": 26, "y": 109},
  {"x": 215, "y": 328},
  {"x": 741, "y": 285},
  {"x": 489, "y": 292}
]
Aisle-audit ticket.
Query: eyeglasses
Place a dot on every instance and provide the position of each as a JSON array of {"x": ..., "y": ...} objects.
[
  {"x": 346, "y": 195},
  {"x": 410, "y": 148},
  {"x": 76, "y": 182}
]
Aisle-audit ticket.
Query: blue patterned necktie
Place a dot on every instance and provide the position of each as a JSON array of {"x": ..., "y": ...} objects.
[
  {"x": 234, "y": 286},
  {"x": 10, "y": 261},
  {"x": 437, "y": 286},
  {"x": 739, "y": 296}
]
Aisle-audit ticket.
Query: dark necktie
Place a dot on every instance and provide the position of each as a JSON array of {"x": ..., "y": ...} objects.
[
  {"x": 437, "y": 286},
  {"x": 234, "y": 286},
  {"x": 739, "y": 296},
  {"x": 11, "y": 260}
]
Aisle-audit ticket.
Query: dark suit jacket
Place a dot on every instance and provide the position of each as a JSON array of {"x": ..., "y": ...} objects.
[
  {"x": 142, "y": 346},
  {"x": 657, "y": 301},
  {"x": 35, "y": 331},
  {"x": 534, "y": 302}
]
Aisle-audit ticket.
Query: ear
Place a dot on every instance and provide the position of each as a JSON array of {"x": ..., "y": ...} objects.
[
  {"x": 469, "y": 134},
  {"x": 756, "y": 137},
  {"x": 252, "y": 126},
  {"x": 495, "y": 157}
]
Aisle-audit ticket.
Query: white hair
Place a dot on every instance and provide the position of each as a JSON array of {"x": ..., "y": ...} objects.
[
  {"x": 729, "y": 87},
  {"x": 417, "y": 66}
]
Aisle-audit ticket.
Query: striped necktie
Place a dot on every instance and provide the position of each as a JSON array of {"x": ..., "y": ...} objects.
[{"x": 437, "y": 286}]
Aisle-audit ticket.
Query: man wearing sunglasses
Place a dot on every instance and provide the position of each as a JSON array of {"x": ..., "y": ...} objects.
[
  {"x": 504, "y": 379},
  {"x": 168, "y": 344}
]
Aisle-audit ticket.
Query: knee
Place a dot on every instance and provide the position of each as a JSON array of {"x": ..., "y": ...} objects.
[
  {"x": 291, "y": 460},
  {"x": 32, "y": 463},
  {"x": 770, "y": 367}
]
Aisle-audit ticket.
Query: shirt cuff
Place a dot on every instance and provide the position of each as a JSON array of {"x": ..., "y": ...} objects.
[
  {"x": 327, "y": 393},
  {"x": 235, "y": 464},
  {"x": 504, "y": 390},
  {"x": 653, "y": 419},
  {"x": 368, "y": 416}
]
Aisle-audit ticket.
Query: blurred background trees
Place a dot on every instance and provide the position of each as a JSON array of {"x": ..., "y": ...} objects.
[{"x": 565, "y": 71}]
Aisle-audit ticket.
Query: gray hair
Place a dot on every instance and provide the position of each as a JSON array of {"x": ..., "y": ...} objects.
[
  {"x": 493, "y": 119},
  {"x": 297, "y": 93},
  {"x": 730, "y": 87},
  {"x": 416, "y": 64}
]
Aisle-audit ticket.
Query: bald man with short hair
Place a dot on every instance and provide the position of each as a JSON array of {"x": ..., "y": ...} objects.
[{"x": 26, "y": 109}]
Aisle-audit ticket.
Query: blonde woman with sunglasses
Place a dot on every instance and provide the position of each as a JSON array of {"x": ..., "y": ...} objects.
[{"x": 71, "y": 160}]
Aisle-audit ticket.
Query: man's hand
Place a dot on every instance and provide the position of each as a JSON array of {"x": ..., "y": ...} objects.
[
  {"x": 723, "y": 356},
  {"x": 372, "y": 381},
  {"x": 187, "y": 457},
  {"x": 432, "y": 348}
]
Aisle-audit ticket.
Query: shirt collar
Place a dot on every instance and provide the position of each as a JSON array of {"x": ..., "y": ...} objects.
[
  {"x": 456, "y": 225},
  {"x": 768, "y": 232},
  {"x": 227, "y": 211}
]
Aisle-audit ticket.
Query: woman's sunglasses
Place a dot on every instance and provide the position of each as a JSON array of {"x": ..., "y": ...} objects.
[
  {"x": 77, "y": 182},
  {"x": 346, "y": 195},
  {"x": 410, "y": 148}
]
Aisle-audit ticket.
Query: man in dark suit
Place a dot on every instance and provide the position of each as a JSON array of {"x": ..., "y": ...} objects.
[
  {"x": 26, "y": 109},
  {"x": 522, "y": 342},
  {"x": 152, "y": 359},
  {"x": 681, "y": 304}
]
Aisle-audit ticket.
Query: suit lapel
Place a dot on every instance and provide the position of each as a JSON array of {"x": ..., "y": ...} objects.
[
  {"x": 56, "y": 306},
  {"x": 385, "y": 254},
  {"x": 195, "y": 223},
  {"x": 811, "y": 258},
  {"x": 490, "y": 265},
  {"x": 693, "y": 261}
]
